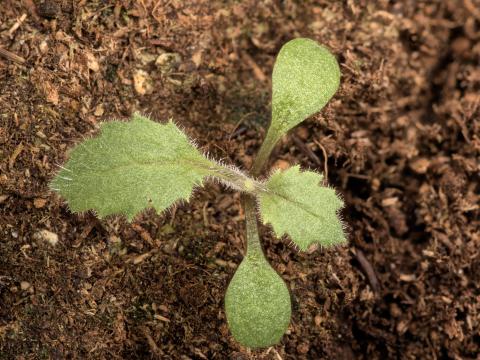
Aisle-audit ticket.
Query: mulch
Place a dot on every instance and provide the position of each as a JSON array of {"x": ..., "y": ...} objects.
[{"x": 400, "y": 142}]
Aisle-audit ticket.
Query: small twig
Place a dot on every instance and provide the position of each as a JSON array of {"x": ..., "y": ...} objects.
[
  {"x": 205, "y": 214},
  {"x": 368, "y": 270},
  {"x": 358, "y": 176},
  {"x": 306, "y": 150},
  {"x": 11, "y": 56},
  {"x": 17, "y": 24},
  {"x": 240, "y": 122},
  {"x": 14, "y": 155},
  {"x": 259, "y": 74},
  {"x": 275, "y": 352},
  {"x": 472, "y": 8},
  {"x": 325, "y": 156},
  {"x": 277, "y": 355}
]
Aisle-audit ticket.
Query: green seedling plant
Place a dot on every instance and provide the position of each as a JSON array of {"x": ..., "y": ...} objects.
[{"x": 139, "y": 164}]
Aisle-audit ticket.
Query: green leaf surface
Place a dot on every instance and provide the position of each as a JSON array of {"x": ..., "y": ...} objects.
[
  {"x": 297, "y": 205},
  {"x": 257, "y": 303},
  {"x": 131, "y": 166},
  {"x": 305, "y": 77}
]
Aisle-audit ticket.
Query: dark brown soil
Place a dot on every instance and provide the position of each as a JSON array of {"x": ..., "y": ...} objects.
[{"x": 402, "y": 140}]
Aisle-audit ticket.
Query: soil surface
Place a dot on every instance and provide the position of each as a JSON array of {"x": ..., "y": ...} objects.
[{"x": 400, "y": 141}]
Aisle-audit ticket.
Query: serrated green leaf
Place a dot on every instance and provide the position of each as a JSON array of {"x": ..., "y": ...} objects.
[
  {"x": 131, "y": 166},
  {"x": 297, "y": 205},
  {"x": 305, "y": 77},
  {"x": 257, "y": 303}
]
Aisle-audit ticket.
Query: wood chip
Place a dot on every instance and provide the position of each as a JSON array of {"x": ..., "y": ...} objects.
[
  {"x": 161, "y": 318},
  {"x": 24, "y": 285},
  {"x": 17, "y": 24},
  {"x": 141, "y": 258},
  {"x": 420, "y": 166},
  {"x": 39, "y": 203},
  {"x": 99, "y": 110},
  {"x": 281, "y": 164},
  {"x": 142, "y": 82},
  {"x": 259, "y": 74},
  {"x": 11, "y": 56},
  {"x": 14, "y": 156},
  {"x": 47, "y": 236},
  {"x": 92, "y": 62},
  {"x": 51, "y": 93},
  {"x": 197, "y": 58},
  {"x": 221, "y": 262},
  {"x": 408, "y": 277},
  {"x": 389, "y": 201}
]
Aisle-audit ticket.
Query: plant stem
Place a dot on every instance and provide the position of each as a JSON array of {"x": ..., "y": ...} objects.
[
  {"x": 253, "y": 240},
  {"x": 264, "y": 153},
  {"x": 236, "y": 179}
]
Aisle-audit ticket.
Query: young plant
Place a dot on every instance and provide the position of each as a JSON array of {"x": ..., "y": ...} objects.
[{"x": 141, "y": 164}]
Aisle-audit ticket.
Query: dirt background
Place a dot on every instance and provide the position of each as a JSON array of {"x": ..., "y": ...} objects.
[{"x": 400, "y": 140}]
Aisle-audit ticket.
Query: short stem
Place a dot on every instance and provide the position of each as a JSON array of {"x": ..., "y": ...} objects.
[
  {"x": 236, "y": 179},
  {"x": 253, "y": 240},
  {"x": 264, "y": 153}
]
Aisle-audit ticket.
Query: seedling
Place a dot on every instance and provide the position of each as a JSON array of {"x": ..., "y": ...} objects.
[{"x": 142, "y": 164}]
